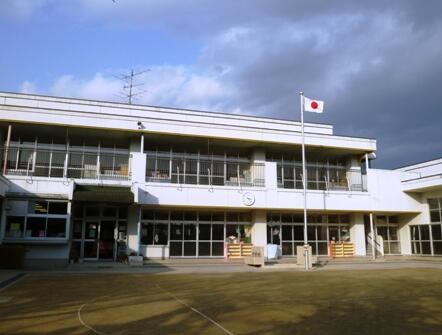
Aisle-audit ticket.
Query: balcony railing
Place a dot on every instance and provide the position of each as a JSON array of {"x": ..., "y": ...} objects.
[
  {"x": 188, "y": 170},
  {"x": 66, "y": 164},
  {"x": 320, "y": 177}
]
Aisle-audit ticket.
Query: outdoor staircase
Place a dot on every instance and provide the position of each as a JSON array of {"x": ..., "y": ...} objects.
[{"x": 368, "y": 250}]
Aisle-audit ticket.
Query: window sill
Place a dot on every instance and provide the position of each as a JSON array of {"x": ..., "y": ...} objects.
[{"x": 36, "y": 240}]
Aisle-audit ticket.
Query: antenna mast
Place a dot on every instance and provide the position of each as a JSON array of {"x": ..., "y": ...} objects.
[{"x": 131, "y": 88}]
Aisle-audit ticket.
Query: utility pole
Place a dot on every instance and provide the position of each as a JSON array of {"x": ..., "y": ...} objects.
[{"x": 131, "y": 88}]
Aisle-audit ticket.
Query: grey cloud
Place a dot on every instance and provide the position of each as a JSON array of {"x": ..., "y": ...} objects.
[{"x": 377, "y": 64}]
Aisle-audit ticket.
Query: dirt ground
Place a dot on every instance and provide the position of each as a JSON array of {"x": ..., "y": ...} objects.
[{"x": 398, "y": 301}]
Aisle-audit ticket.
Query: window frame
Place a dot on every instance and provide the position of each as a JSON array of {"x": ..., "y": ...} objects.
[{"x": 28, "y": 215}]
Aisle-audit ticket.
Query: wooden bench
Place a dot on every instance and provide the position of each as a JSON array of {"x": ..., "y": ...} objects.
[{"x": 256, "y": 258}]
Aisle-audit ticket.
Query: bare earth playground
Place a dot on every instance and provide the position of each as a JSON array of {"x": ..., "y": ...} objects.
[{"x": 400, "y": 300}]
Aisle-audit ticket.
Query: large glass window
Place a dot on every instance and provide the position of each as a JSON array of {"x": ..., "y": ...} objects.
[
  {"x": 287, "y": 231},
  {"x": 193, "y": 168},
  {"x": 40, "y": 219},
  {"x": 56, "y": 160},
  {"x": 155, "y": 227},
  {"x": 420, "y": 240},
  {"x": 194, "y": 234},
  {"x": 435, "y": 206},
  {"x": 427, "y": 239},
  {"x": 320, "y": 175},
  {"x": 387, "y": 227}
]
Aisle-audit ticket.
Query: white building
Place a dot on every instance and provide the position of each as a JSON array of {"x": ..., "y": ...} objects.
[{"x": 93, "y": 180}]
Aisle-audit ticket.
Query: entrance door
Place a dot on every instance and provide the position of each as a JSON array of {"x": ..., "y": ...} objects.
[
  {"x": 91, "y": 239},
  {"x": 107, "y": 239}
]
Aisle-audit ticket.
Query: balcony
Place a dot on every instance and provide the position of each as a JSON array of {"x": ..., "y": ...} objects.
[
  {"x": 89, "y": 163},
  {"x": 326, "y": 177},
  {"x": 194, "y": 169}
]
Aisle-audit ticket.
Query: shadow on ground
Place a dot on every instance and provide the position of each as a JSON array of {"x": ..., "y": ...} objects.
[{"x": 405, "y": 301}]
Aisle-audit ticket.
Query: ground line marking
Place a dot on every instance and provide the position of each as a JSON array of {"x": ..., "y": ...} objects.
[
  {"x": 11, "y": 281},
  {"x": 195, "y": 310},
  {"x": 84, "y": 323}
]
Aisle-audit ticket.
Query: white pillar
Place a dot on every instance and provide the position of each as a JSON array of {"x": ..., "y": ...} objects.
[
  {"x": 357, "y": 233},
  {"x": 271, "y": 176},
  {"x": 373, "y": 237},
  {"x": 138, "y": 168},
  {"x": 258, "y": 155},
  {"x": 259, "y": 229},
  {"x": 135, "y": 144},
  {"x": 404, "y": 231},
  {"x": 132, "y": 230}
]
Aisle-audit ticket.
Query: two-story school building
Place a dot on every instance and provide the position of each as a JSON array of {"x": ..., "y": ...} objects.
[{"x": 93, "y": 180}]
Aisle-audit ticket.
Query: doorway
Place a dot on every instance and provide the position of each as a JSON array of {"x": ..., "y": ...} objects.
[
  {"x": 107, "y": 239},
  {"x": 99, "y": 231}
]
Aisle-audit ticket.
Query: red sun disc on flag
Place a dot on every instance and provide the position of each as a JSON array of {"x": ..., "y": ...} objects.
[{"x": 314, "y": 104}]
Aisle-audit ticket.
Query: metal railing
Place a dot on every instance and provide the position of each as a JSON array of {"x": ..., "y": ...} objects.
[
  {"x": 202, "y": 172},
  {"x": 377, "y": 244},
  {"x": 320, "y": 177},
  {"x": 66, "y": 164}
]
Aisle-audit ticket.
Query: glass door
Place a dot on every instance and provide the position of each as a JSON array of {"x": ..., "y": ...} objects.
[
  {"x": 90, "y": 249},
  {"x": 107, "y": 239}
]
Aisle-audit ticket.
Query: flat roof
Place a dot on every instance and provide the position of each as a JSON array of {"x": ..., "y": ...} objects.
[
  {"x": 421, "y": 164},
  {"x": 84, "y": 113},
  {"x": 140, "y": 106}
]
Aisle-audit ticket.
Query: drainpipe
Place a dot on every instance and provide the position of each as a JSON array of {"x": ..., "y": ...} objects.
[
  {"x": 373, "y": 239},
  {"x": 8, "y": 140}
]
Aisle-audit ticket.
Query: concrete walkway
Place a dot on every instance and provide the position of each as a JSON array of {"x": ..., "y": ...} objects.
[{"x": 222, "y": 266}]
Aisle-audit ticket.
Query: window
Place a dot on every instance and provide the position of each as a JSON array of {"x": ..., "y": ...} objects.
[
  {"x": 387, "y": 227},
  {"x": 421, "y": 243},
  {"x": 194, "y": 168},
  {"x": 56, "y": 227},
  {"x": 192, "y": 233},
  {"x": 435, "y": 210},
  {"x": 287, "y": 231},
  {"x": 15, "y": 226},
  {"x": 154, "y": 233},
  {"x": 41, "y": 219}
]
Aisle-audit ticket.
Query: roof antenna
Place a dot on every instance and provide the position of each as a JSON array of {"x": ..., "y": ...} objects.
[{"x": 131, "y": 89}]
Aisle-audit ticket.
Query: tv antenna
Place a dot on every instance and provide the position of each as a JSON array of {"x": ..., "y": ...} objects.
[{"x": 131, "y": 88}]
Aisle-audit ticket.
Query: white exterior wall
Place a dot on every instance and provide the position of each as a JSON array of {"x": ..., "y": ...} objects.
[{"x": 384, "y": 195}]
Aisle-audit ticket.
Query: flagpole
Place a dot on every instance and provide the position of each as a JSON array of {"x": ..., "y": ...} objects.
[{"x": 304, "y": 183}]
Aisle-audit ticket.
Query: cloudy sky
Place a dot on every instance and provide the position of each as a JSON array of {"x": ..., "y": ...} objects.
[{"x": 377, "y": 64}]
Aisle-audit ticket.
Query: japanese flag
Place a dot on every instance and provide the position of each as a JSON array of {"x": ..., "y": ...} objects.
[{"x": 314, "y": 106}]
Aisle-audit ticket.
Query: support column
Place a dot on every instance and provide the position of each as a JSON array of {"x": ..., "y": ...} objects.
[
  {"x": 139, "y": 230},
  {"x": 133, "y": 234},
  {"x": 373, "y": 237},
  {"x": 357, "y": 233},
  {"x": 5, "y": 158},
  {"x": 4, "y": 203},
  {"x": 258, "y": 169},
  {"x": 259, "y": 230}
]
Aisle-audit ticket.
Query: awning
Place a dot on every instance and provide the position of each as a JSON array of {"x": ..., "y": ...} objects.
[{"x": 120, "y": 194}]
